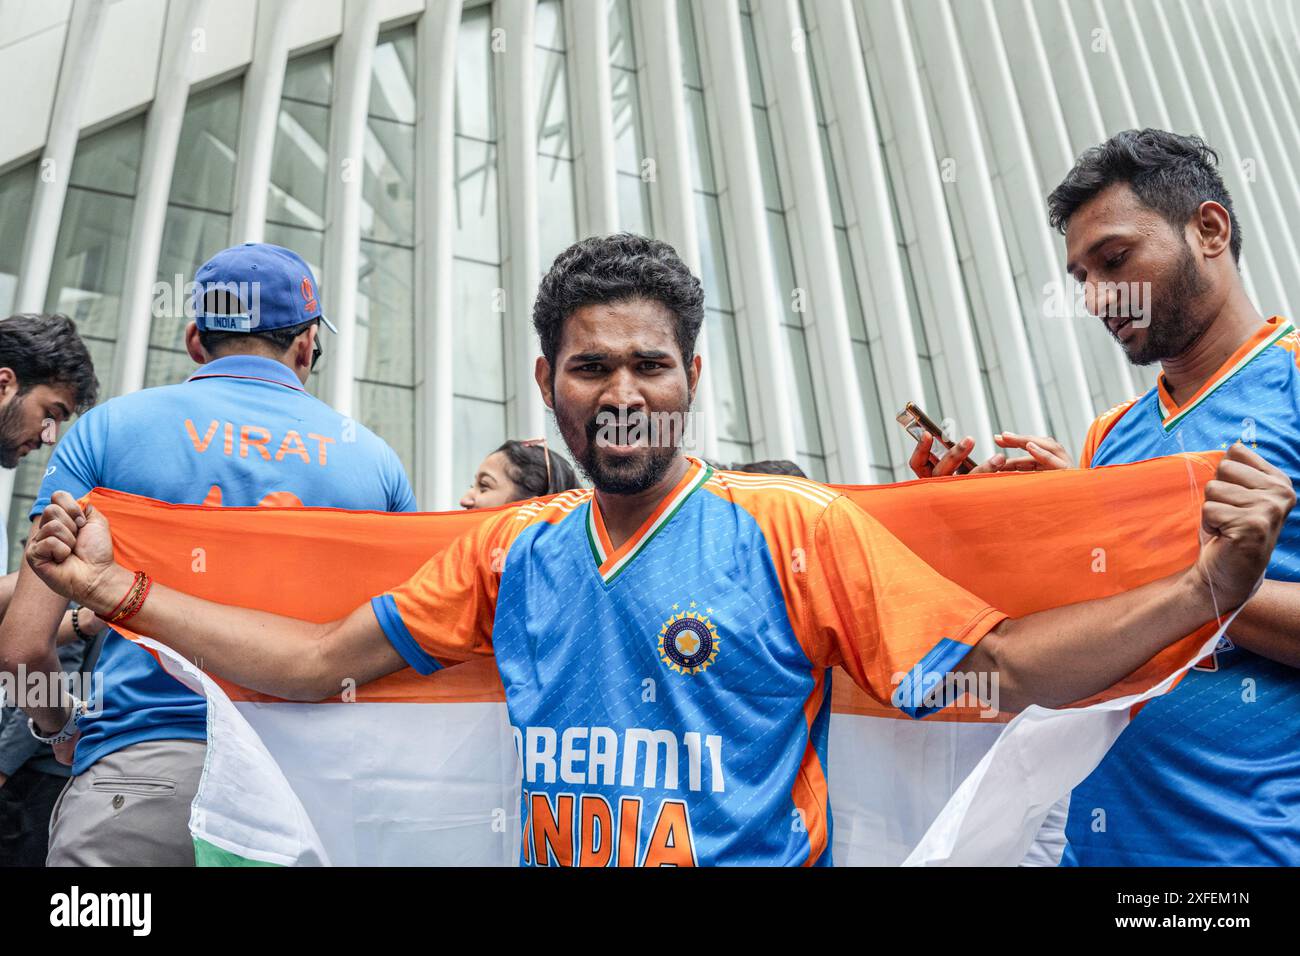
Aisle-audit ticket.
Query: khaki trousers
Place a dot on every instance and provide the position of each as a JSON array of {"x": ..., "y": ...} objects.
[{"x": 131, "y": 808}]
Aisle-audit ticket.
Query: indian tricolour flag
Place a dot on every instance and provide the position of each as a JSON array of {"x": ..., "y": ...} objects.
[{"x": 413, "y": 770}]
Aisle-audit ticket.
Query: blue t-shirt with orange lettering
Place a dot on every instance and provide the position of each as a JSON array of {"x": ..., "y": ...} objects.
[{"x": 240, "y": 432}]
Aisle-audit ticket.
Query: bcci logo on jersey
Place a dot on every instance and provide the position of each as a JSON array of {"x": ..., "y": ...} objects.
[{"x": 688, "y": 642}]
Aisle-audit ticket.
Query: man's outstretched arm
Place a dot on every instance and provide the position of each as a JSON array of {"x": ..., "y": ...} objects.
[
  {"x": 1065, "y": 654},
  {"x": 71, "y": 550}
]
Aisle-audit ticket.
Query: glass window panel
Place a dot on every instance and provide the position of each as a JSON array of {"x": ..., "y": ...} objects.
[
  {"x": 110, "y": 160},
  {"x": 477, "y": 226},
  {"x": 728, "y": 384},
  {"x": 296, "y": 193},
  {"x": 165, "y": 367},
  {"x": 807, "y": 434},
  {"x": 19, "y": 506},
  {"x": 783, "y": 268},
  {"x": 553, "y": 135},
  {"x": 475, "y": 112},
  {"x": 713, "y": 262},
  {"x": 480, "y": 429},
  {"x": 385, "y": 314},
  {"x": 16, "y": 189},
  {"x": 388, "y": 187},
  {"x": 929, "y": 383},
  {"x": 627, "y": 136},
  {"x": 848, "y": 279},
  {"x": 633, "y": 205},
  {"x": 550, "y": 25},
  {"x": 90, "y": 261},
  {"x": 557, "y": 221},
  {"x": 310, "y": 77},
  {"x": 392, "y": 82},
  {"x": 828, "y": 163},
  {"x": 732, "y": 453},
  {"x": 751, "y": 61},
  {"x": 690, "y": 49},
  {"x": 767, "y": 161},
  {"x": 698, "y": 132},
  {"x": 622, "y": 50},
  {"x": 205, "y": 158},
  {"x": 31, "y": 472},
  {"x": 190, "y": 238},
  {"x": 814, "y": 466},
  {"x": 478, "y": 334},
  {"x": 872, "y": 403},
  {"x": 389, "y": 412}
]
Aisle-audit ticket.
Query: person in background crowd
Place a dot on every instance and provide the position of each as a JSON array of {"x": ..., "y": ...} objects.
[
  {"x": 1208, "y": 774},
  {"x": 31, "y": 776},
  {"x": 46, "y": 375},
  {"x": 773, "y": 466},
  {"x": 241, "y": 431},
  {"x": 516, "y": 471}
]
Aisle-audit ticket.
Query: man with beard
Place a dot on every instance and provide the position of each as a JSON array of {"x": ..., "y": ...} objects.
[
  {"x": 1211, "y": 772},
  {"x": 663, "y": 639},
  {"x": 46, "y": 375}
]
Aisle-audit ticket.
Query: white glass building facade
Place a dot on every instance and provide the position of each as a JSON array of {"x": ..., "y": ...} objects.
[{"x": 859, "y": 183}]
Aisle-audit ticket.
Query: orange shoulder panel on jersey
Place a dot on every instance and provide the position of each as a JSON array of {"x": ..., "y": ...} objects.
[
  {"x": 857, "y": 596},
  {"x": 448, "y": 606},
  {"x": 1100, "y": 428},
  {"x": 786, "y": 509},
  {"x": 1290, "y": 342}
]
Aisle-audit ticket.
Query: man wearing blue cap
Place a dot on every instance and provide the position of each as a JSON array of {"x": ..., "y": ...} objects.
[{"x": 240, "y": 431}]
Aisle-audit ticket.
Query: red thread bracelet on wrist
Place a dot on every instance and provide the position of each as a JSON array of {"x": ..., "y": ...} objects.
[
  {"x": 112, "y": 615},
  {"x": 139, "y": 602},
  {"x": 130, "y": 605}
]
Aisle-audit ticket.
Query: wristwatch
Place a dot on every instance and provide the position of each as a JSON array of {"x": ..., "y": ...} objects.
[{"x": 69, "y": 729}]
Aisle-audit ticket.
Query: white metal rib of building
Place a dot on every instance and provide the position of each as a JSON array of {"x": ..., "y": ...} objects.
[{"x": 860, "y": 184}]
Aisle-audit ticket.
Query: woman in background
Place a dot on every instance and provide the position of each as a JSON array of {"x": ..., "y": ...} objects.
[{"x": 516, "y": 471}]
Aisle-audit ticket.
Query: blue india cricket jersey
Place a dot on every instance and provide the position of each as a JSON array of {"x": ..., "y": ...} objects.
[
  {"x": 669, "y": 696},
  {"x": 1209, "y": 773}
]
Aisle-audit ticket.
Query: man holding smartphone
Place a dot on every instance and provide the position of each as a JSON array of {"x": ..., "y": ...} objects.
[{"x": 1208, "y": 774}]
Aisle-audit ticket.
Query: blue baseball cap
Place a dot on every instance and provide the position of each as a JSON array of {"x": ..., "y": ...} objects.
[{"x": 274, "y": 286}]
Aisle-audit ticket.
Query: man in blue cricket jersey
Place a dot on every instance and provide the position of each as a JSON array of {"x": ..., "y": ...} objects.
[
  {"x": 240, "y": 431},
  {"x": 1210, "y": 773}
]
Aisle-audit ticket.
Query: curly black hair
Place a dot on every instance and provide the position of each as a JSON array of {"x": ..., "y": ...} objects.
[
  {"x": 45, "y": 349},
  {"x": 1169, "y": 173},
  {"x": 619, "y": 268}
]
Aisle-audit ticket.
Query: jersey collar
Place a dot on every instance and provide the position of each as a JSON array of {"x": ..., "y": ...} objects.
[
  {"x": 1268, "y": 333},
  {"x": 610, "y": 562},
  {"x": 256, "y": 367}
]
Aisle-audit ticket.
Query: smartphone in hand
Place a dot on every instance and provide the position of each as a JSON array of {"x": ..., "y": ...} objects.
[{"x": 918, "y": 424}]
